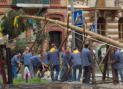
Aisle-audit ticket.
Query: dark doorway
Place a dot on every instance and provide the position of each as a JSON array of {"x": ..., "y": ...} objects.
[
  {"x": 101, "y": 25},
  {"x": 120, "y": 28},
  {"x": 55, "y": 37}
]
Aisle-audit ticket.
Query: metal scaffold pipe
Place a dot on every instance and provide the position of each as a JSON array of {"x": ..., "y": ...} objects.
[{"x": 92, "y": 34}]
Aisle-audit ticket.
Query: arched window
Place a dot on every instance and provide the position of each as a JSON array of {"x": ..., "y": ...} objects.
[
  {"x": 101, "y": 25},
  {"x": 120, "y": 28}
]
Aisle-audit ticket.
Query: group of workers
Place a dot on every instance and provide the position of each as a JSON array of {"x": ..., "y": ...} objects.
[{"x": 71, "y": 62}]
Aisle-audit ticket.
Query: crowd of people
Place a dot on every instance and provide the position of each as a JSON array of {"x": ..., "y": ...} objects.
[{"x": 71, "y": 62}]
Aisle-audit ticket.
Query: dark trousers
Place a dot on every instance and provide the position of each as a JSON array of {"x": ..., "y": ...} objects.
[
  {"x": 87, "y": 74},
  {"x": 14, "y": 71},
  {"x": 65, "y": 74},
  {"x": 57, "y": 68},
  {"x": 117, "y": 72},
  {"x": 79, "y": 67}
]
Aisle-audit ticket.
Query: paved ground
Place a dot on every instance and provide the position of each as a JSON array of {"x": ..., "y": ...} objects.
[{"x": 59, "y": 85}]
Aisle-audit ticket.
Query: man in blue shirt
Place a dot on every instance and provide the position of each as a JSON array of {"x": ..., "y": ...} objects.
[
  {"x": 77, "y": 64},
  {"x": 53, "y": 56},
  {"x": 34, "y": 62},
  {"x": 66, "y": 60},
  {"x": 117, "y": 64},
  {"x": 45, "y": 56},
  {"x": 26, "y": 55},
  {"x": 15, "y": 62},
  {"x": 86, "y": 61}
]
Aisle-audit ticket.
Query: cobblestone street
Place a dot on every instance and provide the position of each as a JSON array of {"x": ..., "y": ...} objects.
[{"x": 57, "y": 85}]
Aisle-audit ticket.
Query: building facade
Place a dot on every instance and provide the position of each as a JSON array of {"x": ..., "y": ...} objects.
[
  {"x": 57, "y": 33},
  {"x": 2, "y": 3},
  {"x": 109, "y": 16}
]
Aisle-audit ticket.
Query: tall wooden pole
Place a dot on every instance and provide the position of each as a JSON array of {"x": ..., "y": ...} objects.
[
  {"x": 9, "y": 67},
  {"x": 2, "y": 69},
  {"x": 113, "y": 71},
  {"x": 92, "y": 34},
  {"x": 105, "y": 64}
]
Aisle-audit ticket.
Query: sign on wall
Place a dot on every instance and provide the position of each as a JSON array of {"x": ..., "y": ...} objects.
[{"x": 78, "y": 19}]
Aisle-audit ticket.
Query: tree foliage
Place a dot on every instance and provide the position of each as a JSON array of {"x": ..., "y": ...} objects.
[
  {"x": 8, "y": 23},
  {"x": 20, "y": 46},
  {"x": 14, "y": 25}
]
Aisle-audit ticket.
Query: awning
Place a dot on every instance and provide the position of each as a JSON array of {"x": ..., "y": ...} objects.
[{"x": 32, "y": 5}]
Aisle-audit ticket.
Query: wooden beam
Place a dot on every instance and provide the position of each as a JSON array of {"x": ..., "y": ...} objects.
[
  {"x": 113, "y": 71},
  {"x": 92, "y": 34},
  {"x": 105, "y": 64}
]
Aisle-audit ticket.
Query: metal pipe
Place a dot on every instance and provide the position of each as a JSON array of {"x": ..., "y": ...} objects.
[{"x": 73, "y": 34}]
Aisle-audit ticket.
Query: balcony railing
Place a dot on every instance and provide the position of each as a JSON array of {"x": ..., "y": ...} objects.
[
  {"x": 31, "y": 1},
  {"x": 55, "y": 2},
  {"x": 3, "y": 2}
]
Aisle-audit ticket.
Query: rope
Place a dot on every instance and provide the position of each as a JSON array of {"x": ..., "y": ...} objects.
[{"x": 97, "y": 40}]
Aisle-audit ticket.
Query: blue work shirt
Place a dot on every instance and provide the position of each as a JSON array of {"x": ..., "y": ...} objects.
[
  {"x": 35, "y": 60},
  {"x": 45, "y": 59},
  {"x": 54, "y": 57},
  {"x": 117, "y": 56},
  {"x": 66, "y": 58},
  {"x": 26, "y": 57},
  {"x": 76, "y": 59},
  {"x": 14, "y": 60},
  {"x": 86, "y": 57}
]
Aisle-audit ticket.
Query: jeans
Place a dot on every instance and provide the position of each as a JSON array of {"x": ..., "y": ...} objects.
[
  {"x": 57, "y": 68},
  {"x": 63, "y": 73},
  {"x": 34, "y": 70},
  {"x": 120, "y": 71},
  {"x": 31, "y": 71},
  {"x": 74, "y": 72},
  {"x": 14, "y": 71},
  {"x": 87, "y": 74}
]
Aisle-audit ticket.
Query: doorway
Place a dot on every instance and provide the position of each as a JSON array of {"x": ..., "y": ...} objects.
[
  {"x": 120, "y": 28},
  {"x": 55, "y": 37}
]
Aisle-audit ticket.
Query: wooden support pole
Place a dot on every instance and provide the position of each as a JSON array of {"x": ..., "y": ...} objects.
[
  {"x": 108, "y": 50},
  {"x": 9, "y": 67},
  {"x": 2, "y": 69},
  {"x": 68, "y": 33},
  {"x": 93, "y": 69},
  {"x": 92, "y": 34},
  {"x": 105, "y": 65},
  {"x": 113, "y": 71},
  {"x": 84, "y": 37},
  {"x": 38, "y": 36}
]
